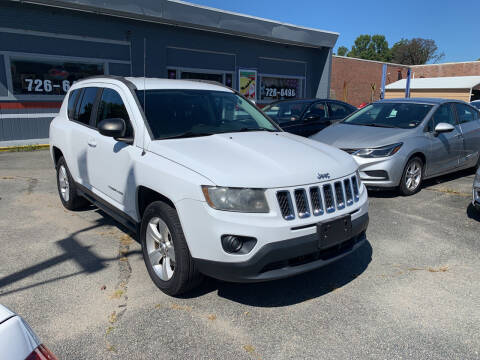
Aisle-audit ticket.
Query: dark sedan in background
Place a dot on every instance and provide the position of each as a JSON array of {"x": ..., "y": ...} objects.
[{"x": 309, "y": 116}]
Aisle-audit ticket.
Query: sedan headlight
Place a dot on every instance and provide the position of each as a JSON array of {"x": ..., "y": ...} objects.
[
  {"x": 383, "y": 151},
  {"x": 236, "y": 199}
]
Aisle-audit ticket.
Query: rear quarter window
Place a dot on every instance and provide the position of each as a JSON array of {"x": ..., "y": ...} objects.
[{"x": 72, "y": 99}]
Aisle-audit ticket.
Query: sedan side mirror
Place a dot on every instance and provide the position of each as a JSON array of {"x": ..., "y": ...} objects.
[{"x": 444, "y": 128}]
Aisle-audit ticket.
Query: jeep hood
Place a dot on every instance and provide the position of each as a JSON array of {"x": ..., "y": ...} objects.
[{"x": 256, "y": 159}]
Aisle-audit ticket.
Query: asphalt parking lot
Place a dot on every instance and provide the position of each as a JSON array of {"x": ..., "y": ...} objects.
[{"x": 78, "y": 278}]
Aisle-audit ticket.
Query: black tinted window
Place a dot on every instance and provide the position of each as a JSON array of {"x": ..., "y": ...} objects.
[
  {"x": 465, "y": 113},
  {"x": 286, "y": 111},
  {"x": 318, "y": 110},
  {"x": 338, "y": 111},
  {"x": 85, "y": 106},
  {"x": 187, "y": 113},
  {"x": 111, "y": 106},
  {"x": 72, "y": 98}
]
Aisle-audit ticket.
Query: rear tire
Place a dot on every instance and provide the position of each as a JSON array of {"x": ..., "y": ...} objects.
[
  {"x": 67, "y": 189},
  {"x": 412, "y": 177},
  {"x": 165, "y": 250}
]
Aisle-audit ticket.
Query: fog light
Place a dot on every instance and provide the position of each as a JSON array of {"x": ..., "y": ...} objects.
[
  {"x": 239, "y": 245},
  {"x": 231, "y": 243}
]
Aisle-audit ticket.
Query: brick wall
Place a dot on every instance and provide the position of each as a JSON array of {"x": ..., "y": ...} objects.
[
  {"x": 352, "y": 79},
  {"x": 471, "y": 68}
]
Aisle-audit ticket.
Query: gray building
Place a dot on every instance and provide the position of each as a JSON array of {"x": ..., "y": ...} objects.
[{"x": 46, "y": 45}]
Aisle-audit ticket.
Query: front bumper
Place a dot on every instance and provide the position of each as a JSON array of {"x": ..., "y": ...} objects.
[
  {"x": 371, "y": 170},
  {"x": 286, "y": 258}
]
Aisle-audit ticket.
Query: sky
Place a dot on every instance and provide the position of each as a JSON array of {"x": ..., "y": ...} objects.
[{"x": 454, "y": 25}]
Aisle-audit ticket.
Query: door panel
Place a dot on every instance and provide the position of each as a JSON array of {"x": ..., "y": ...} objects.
[
  {"x": 113, "y": 160},
  {"x": 469, "y": 121},
  {"x": 445, "y": 149},
  {"x": 81, "y": 134}
]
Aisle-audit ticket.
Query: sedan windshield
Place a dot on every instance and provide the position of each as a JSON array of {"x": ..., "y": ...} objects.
[
  {"x": 191, "y": 113},
  {"x": 390, "y": 115},
  {"x": 286, "y": 111}
]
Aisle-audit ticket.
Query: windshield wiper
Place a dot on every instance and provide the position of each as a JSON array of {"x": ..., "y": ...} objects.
[
  {"x": 245, "y": 129},
  {"x": 187, "y": 134},
  {"x": 379, "y": 125}
]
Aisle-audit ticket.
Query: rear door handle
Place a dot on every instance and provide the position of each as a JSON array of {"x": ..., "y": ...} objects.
[{"x": 92, "y": 143}]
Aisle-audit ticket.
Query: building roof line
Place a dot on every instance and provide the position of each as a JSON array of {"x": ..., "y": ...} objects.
[
  {"x": 449, "y": 63},
  {"x": 374, "y": 61},
  {"x": 184, "y": 14}
]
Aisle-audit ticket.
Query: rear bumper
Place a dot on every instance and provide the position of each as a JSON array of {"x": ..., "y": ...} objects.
[{"x": 285, "y": 258}]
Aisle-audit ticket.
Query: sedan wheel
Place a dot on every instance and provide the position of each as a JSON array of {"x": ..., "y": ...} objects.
[{"x": 412, "y": 177}]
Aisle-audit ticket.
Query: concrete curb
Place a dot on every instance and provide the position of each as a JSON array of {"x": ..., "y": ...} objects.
[{"x": 24, "y": 148}]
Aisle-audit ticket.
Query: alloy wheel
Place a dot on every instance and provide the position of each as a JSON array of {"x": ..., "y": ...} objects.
[
  {"x": 413, "y": 175},
  {"x": 160, "y": 249},
  {"x": 63, "y": 183}
]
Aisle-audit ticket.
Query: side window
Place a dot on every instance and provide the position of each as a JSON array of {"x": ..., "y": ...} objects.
[
  {"x": 85, "y": 105},
  {"x": 72, "y": 98},
  {"x": 444, "y": 114},
  {"x": 338, "y": 111},
  {"x": 111, "y": 106},
  {"x": 465, "y": 113},
  {"x": 318, "y": 109}
]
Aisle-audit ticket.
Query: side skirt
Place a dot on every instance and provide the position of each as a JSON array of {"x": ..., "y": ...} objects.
[{"x": 115, "y": 213}]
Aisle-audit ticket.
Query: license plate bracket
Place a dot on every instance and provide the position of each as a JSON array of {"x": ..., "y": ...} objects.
[{"x": 335, "y": 231}]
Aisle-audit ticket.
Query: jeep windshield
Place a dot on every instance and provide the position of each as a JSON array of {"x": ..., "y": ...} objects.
[
  {"x": 403, "y": 115},
  {"x": 191, "y": 113}
]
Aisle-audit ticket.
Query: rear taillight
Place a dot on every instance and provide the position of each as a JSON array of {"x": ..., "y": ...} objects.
[{"x": 41, "y": 353}]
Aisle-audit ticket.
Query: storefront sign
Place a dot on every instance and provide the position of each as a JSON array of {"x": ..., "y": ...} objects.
[
  {"x": 248, "y": 83},
  {"x": 49, "y": 77},
  {"x": 273, "y": 88}
]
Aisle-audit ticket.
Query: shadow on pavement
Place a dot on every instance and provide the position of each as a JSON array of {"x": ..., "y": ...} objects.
[
  {"x": 392, "y": 193},
  {"x": 73, "y": 250},
  {"x": 296, "y": 289}
]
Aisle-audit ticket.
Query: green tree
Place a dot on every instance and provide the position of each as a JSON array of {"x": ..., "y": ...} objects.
[
  {"x": 342, "y": 51},
  {"x": 371, "y": 48},
  {"x": 415, "y": 51}
]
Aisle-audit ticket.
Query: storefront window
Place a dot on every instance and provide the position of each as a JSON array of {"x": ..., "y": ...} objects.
[
  {"x": 49, "y": 77},
  {"x": 277, "y": 88}
]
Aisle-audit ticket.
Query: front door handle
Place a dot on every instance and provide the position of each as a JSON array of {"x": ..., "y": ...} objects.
[
  {"x": 458, "y": 135},
  {"x": 92, "y": 143}
]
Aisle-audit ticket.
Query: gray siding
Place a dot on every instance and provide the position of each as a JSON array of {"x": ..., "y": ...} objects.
[
  {"x": 24, "y": 128},
  {"x": 3, "y": 77}
]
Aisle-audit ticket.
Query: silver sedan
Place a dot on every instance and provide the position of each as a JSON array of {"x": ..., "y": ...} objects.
[{"x": 401, "y": 142}]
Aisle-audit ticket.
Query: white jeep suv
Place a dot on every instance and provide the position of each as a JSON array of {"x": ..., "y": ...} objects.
[{"x": 209, "y": 183}]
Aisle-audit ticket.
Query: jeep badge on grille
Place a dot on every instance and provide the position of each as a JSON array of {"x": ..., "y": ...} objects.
[{"x": 324, "y": 176}]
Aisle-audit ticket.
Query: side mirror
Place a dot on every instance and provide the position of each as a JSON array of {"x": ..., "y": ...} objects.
[
  {"x": 444, "y": 128},
  {"x": 114, "y": 128}
]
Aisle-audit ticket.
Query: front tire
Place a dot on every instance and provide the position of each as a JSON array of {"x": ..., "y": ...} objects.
[
  {"x": 67, "y": 189},
  {"x": 165, "y": 250},
  {"x": 412, "y": 178}
]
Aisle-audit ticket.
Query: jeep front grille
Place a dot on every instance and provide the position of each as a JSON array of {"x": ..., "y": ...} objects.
[
  {"x": 285, "y": 203},
  {"x": 301, "y": 201},
  {"x": 326, "y": 197}
]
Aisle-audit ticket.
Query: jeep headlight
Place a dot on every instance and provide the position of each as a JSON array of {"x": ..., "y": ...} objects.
[
  {"x": 383, "y": 151},
  {"x": 236, "y": 199}
]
